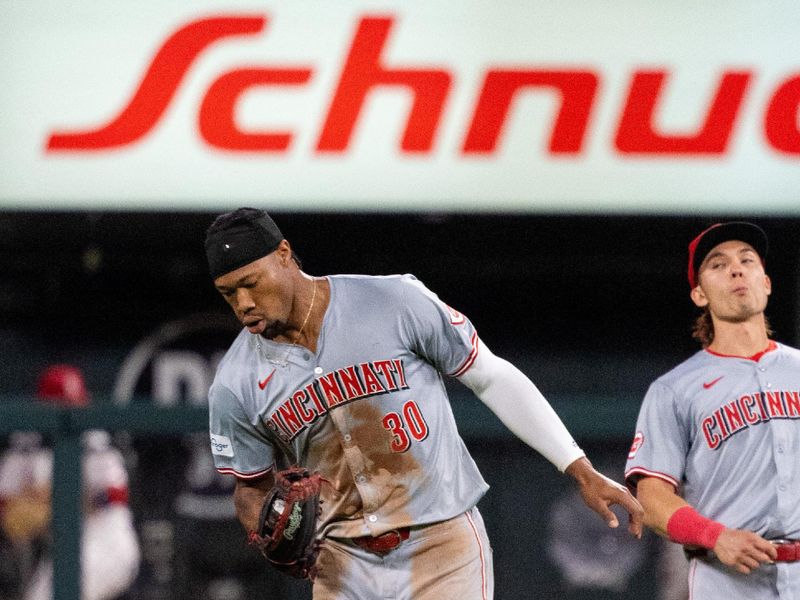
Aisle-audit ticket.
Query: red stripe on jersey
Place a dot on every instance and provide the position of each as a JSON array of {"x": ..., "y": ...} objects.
[
  {"x": 756, "y": 357},
  {"x": 648, "y": 473},
  {"x": 470, "y": 358},
  {"x": 484, "y": 591},
  {"x": 226, "y": 471}
]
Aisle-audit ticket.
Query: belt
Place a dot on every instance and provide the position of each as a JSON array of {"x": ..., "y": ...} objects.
[
  {"x": 384, "y": 543},
  {"x": 788, "y": 551}
]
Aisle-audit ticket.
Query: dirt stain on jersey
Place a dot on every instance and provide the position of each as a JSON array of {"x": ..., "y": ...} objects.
[
  {"x": 386, "y": 471},
  {"x": 333, "y": 566},
  {"x": 448, "y": 561},
  {"x": 352, "y": 450},
  {"x": 340, "y": 497}
]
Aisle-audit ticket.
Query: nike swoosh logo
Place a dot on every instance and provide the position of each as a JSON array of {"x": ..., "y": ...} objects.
[
  {"x": 263, "y": 384},
  {"x": 710, "y": 383}
]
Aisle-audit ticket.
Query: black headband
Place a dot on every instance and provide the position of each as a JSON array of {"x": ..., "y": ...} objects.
[{"x": 239, "y": 238}]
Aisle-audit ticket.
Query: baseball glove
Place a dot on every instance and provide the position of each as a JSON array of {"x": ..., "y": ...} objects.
[{"x": 288, "y": 523}]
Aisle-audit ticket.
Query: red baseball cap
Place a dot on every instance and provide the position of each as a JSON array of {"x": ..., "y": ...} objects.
[
  {"x": 724, "y": 232},
  {"x": 63, "y": 384}
]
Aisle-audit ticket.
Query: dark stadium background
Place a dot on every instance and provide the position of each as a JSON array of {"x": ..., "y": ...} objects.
[{"x": 76, "y": 285}]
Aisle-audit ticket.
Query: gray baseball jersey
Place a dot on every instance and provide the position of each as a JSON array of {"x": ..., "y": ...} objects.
[
  {"x": 369, "y": 410},
  {"x": 725, "y": 431}
]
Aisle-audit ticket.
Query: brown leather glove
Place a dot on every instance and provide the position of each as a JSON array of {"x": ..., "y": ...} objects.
[{"x": 288, "y": 523}]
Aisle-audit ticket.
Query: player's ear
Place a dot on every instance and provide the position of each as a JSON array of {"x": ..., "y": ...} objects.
[
  {"x": 698, "y": 297},
  {"x": 284, "y": 252},
  {"x": 768, "y": 284}
]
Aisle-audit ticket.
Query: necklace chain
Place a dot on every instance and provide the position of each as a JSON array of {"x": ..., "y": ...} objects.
[
  {"x": 285, "y": 360},
  {"x": 308, "y": 314}
]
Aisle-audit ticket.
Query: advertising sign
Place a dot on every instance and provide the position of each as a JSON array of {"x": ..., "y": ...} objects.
[{"x": 584, "y": 106}]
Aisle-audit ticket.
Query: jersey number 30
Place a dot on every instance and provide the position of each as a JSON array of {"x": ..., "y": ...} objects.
[{"x": 411, "y": 422}]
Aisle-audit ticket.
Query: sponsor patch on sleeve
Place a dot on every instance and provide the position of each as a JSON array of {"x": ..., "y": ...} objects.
[
  {"x": 221, "y": 445},
  {"x": 638, "y": 440}
]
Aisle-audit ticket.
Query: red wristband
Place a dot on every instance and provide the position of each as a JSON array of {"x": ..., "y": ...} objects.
[{"x": 687, "y": 526}]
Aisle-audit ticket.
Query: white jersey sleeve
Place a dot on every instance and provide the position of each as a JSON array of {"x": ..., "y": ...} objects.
[
  {"x": 520, "y": 405},
  {"x": 435, "y": 331},
  {"x": 238, "y": 447},
  {"x": 661, "y": 442}
]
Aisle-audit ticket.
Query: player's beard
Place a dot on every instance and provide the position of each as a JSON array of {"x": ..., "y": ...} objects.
[
  {"x": 742, "y": 312},
  {"x": 275, "y": 329},
  {"x": 737, "y": 318}
]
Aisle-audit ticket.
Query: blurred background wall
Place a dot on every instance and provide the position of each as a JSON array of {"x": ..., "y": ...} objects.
[{"x": 541, "y": 166}]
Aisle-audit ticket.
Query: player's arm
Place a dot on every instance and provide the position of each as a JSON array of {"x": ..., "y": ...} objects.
[
  {"x": 248, "y": 497},
  {"x": 519, "y": 404},
  {"x": 238, "y": 448},
  {"x": 671, "y": 516}
]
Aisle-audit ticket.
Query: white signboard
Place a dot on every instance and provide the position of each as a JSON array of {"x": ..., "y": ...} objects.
[{"x": 583, "y": 106}]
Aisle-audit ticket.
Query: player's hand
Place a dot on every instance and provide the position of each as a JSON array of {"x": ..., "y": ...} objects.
[
  {"x": 743, "y": 550},
  {"x": 599, "y": 492}
]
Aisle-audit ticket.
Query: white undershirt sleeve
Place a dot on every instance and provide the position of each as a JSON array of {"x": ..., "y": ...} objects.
[{"x": 519, "y": 404}]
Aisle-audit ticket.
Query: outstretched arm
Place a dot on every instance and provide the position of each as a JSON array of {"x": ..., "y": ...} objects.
[
  {"x": 671, "y": 516},
  {"x": 519, "y": 404}
]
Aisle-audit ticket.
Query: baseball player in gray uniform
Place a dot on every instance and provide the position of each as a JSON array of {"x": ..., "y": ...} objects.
[
  {"x": 715, "y": 456},
  {"x": 343, "y": 375}
]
